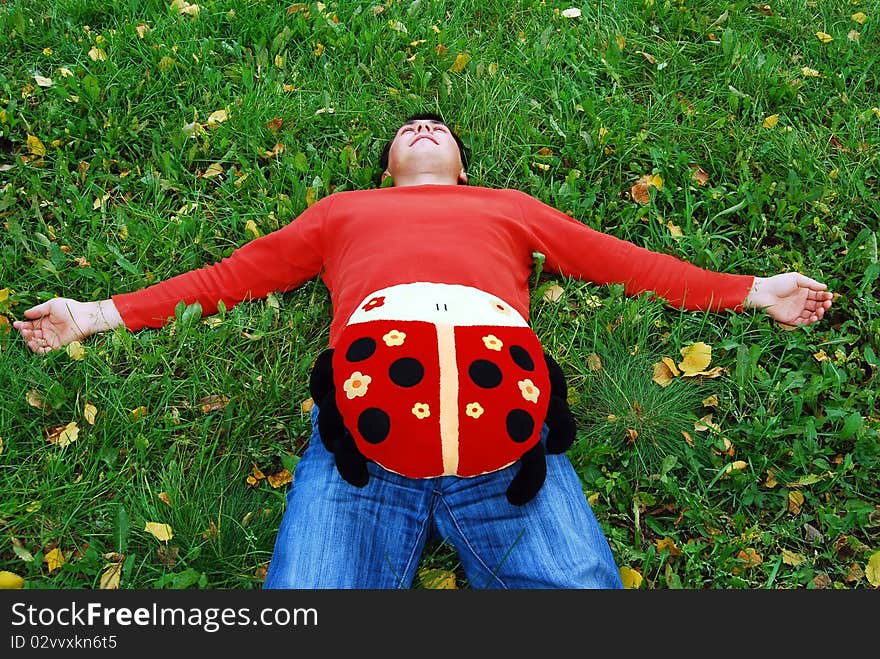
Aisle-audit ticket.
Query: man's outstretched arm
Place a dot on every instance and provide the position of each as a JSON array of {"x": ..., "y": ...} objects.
[
  {"x": 58, "y": 321},
  {"x": 790, "y": 298}
]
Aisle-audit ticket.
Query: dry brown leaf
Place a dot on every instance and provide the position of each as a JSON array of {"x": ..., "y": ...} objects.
[
  {"x": 213, "y": 403},
  {"x": 699, "y": 176},
  {"x": 795, "y": 502},
  {"x": 34, "y": 398},
  {"x": 62, "y": 435},
  {"x": 750, "y": 557},
  {"x": 164, "y": 498},
  {"x": 641, "y": 189},
  {"x": 667, "y": 543},
  {"x": 662, "y": 374},
  {"x": 594, "y": 362}
]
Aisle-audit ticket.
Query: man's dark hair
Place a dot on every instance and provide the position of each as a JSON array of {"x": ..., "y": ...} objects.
[{"x": 428, "y": 116}]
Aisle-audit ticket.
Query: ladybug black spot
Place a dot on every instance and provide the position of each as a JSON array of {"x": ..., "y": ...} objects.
[
  {"x": 374, "y": 425},
  {"x": 406, "y": 372},
  {"x": 361, "y": 349},
  {"x": 522, "y": 358},
  {"x": 485, "y": 374},
  {"x": 520, "y": 425}
]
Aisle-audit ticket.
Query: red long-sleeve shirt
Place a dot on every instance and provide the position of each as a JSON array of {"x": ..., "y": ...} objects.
[{"x": 362, "y": 241}]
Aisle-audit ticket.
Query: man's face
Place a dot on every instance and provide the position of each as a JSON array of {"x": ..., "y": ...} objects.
[{"x": 424, "y": 147}]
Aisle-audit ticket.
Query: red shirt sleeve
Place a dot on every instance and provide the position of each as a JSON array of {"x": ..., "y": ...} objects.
[
  {"x": 573, "y": 249},
  {"x": 277, "y": 262}
]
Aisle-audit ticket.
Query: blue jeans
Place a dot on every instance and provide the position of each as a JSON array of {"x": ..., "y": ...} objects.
[{"x": 335, "y": 535}]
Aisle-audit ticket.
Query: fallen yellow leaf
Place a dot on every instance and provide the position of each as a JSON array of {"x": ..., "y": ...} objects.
[
  {"x": 34, "y": 398},
  {"x": 824, "y": 37},
  {"x": 42, "y": 81},
  {"x": 283, "y": 477},
  {"x": 750, "y": 557},
  {"x": 859, "y": 17},
  {"x": 90, "y": 412},
  {"x": 97, "y": 54},
  {"x": 632, "y": 579},
  {"x": 110, "y": 576},
  {"x": 35, "y": 146},
  {"x": 640, "y": 191},
  {"x": 791, "y": 558},
  {"x": 662, "y": 375},
  {"x": 872, "y": 570},
  {"x": 696, "y": 357},
  {"x": 667, "y": 543},
  {"x": 160, "y": 531},
  {"x": 76, "y": 351},
  {"x": 63, "y": 435},
  {"x": 54, "y": 559},
  {"x": 461, "y": 61},
  {"x": 10, "y": 581},
  {"x": 770, "y": 121},
  {"x": 217, "y": 117},
  {"x": 795, "y": 502},
  {"x": 553, "y": 292},
  {"x": 306, "y": 405},
  {"x": 437, "y": 579},
  {"x": 214, "y": 169}
]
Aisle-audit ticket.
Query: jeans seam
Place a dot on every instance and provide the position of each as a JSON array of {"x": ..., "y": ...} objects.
[{"x": 469, "y": 546}]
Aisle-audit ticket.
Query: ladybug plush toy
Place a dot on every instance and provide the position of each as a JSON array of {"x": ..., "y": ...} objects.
[{"x": 433, "y": 380}]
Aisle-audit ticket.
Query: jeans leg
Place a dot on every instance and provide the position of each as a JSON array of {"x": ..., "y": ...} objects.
[
  {"x": 336, "y": 535},
  {"x": 553, "y": 541}
]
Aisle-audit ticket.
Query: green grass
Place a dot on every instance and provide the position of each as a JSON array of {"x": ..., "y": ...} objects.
[{"x": 572, "y": 111}]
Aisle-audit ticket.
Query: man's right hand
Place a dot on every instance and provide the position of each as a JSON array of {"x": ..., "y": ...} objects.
[{"x": 58, "y": 321}]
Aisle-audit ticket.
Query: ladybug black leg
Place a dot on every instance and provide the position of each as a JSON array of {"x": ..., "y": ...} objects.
[
  {"x": 330, "y": 421},
  {"x": 350, "y": 462},
  {"x": 530, "y": 477},
  {"x": 321, "y": 378},
  {"x": 560, "y": 420}
]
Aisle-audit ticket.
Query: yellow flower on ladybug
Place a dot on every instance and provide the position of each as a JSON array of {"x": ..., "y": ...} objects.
[
  {"x": 528, "y": 390},
  {"x": 356, "y": 385}
]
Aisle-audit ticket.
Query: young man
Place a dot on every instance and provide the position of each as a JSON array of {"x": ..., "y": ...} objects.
[{"x": 428, "y": 238}]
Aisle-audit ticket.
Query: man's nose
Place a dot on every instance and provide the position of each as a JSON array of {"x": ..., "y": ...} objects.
[{"x": 422, "y": 126}]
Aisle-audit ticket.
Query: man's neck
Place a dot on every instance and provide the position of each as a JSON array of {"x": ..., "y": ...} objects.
[{"x": 424, "y": 179}]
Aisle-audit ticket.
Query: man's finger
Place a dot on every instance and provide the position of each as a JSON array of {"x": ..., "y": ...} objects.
[
  {"x": 803, "y": 280},
  {"x": 37, "y": 311}
]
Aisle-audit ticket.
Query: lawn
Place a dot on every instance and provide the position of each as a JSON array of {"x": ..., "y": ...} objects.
[{"x": 139, "y": 140}]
